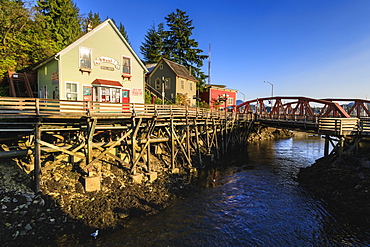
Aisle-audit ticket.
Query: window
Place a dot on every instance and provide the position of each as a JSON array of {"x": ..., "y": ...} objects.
[
  {"x": 126, "y": 67},
  {"x": 71, "y": 91},
  {"x": 191, "y": 86},
  {"x": 157, "y": 84},
  {"x": 116, "y": 93},
  {"x": 161, "y": 66},
  {"x": 167, "y": 84},
  {"x": 230, "y": 101},
  {"x": 182, "y": 86},
  {"x": 85, "y": 58}
]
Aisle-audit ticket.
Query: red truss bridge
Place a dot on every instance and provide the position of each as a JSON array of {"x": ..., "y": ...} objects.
[{"x": 337, "y": 116}]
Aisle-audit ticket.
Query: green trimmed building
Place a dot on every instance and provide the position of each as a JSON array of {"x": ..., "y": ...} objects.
[
  {"x": 173, "y": 80},
  {"x": 100, "y": 66}
]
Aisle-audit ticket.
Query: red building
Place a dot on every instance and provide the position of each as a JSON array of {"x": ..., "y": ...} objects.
[{"x": 218, "y": 96}]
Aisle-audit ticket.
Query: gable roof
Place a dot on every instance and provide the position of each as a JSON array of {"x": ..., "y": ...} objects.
[
  {"x": 179, "y": 70},
  {"x": 88, "y": 35}
]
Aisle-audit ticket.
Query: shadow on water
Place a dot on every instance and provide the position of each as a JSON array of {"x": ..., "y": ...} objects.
[{"x": 256, "y": 201}]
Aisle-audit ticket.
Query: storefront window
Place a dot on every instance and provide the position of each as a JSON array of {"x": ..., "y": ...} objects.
[
  {"x": 116, "y": 95},
  {"x": 105, "y": 94},
  {"x": 108, "y": 94}
]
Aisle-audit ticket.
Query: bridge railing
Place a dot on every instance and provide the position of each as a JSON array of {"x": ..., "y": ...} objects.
[
  {"x": 364, "y": 126},
  {"x": 289, "y": 118},
  {"x": 339, "y": 126}
]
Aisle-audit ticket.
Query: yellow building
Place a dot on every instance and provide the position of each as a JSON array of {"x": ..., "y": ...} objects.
[{"x": 100, "y": 66}]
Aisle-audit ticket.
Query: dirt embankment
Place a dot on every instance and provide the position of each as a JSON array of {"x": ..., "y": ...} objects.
[
  {"x": 63, "y": 206},
  {"x": 345, "y": 184}
]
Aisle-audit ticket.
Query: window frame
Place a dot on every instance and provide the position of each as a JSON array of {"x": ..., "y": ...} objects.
[
  {"x": 72, "y": 93},
  {"x": 81, "y": 58},
  {"x": 167, "y": 83},
  {"x": 126, "y": 66},
  {"x": 182, "y": 84},
  {"x": 157, "y": 84}
]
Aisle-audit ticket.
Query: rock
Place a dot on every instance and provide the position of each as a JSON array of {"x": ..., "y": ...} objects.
[
  {"x": 28, "y": 227},
  {"x": 366, "y": 164},
  {"x": 361, "y": 175},
  {"x": 6, "y": 199}
]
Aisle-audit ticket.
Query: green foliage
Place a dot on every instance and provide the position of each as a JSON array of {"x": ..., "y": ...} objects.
[
  {"x": 182, "y": 99},
  {"x": 61, "y": 19},
  {"x": 153, "y": 46},
  {"x": 175, "y": 44},
  {"x": 23, "y": 41},
  {"x": 148, "y": 97},
  {"x": 122, "y": 30},
  {"x": 90, "y": 21},
  {"x": 203, "y": 104}
]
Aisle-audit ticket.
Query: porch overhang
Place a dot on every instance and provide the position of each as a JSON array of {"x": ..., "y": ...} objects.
[{"x": 106, "y": 83}]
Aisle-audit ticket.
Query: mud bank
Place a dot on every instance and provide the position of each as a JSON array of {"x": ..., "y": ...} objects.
[
  {"x": 344, "y": 184},
  {"x": 64, "y": 208}
]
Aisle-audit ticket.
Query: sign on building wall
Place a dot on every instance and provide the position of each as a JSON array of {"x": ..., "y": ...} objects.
[
  {"x": 54, "y": 78},
  {"x": 110, "y": 60},
  {"x": 137, "y": 92}
]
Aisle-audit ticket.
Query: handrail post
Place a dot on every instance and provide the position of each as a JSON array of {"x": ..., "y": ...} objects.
[{"x": 37, "y": 106}]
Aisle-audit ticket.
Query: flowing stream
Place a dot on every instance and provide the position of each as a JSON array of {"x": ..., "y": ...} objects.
[{"x": 254, "y": 202}]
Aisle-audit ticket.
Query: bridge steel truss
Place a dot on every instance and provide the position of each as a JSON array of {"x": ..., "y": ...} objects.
[{"x": 343, "y": 126}]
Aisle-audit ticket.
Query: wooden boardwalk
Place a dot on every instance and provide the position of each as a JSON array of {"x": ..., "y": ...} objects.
[{"x": 130, "y": 134}]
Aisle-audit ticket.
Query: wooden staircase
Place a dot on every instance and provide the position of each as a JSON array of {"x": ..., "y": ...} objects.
[
  {"x": 155, "y": 92},
  {"x": 20, "y": 85}
]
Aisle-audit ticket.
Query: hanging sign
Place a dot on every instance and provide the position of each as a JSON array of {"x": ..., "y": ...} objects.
[{"x": 110, "y": 60}]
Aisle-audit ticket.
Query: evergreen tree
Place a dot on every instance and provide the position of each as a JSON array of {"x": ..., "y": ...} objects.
[
  {"x": 122, "y": 30},
  {"x": 91, "y": 21},
  {"x": 61, "y": 18},
  {"x": 153, "y": 47},
  {"x": 181, "y": 48},
  {"x": 22, "y": 40}
]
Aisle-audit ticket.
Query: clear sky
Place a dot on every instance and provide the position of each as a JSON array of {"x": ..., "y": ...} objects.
[{"x": 312, "y": 48}]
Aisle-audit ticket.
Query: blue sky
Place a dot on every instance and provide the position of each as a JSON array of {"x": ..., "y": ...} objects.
[{"x": 312, "y": 48}]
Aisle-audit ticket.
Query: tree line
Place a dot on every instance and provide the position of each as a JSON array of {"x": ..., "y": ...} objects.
[{"x": 30, "y": 34}]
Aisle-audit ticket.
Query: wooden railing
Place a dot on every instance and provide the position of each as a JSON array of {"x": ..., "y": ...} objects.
[
  {"x": 51, "y": 107},
  {"x": 339, "y": 126},
  {"x": 43, "y": 107}
]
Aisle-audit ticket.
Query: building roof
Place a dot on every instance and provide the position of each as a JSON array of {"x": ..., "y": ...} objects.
[
  {"x": 179, "y": 70},
  {"x": 150, "y": 66}
]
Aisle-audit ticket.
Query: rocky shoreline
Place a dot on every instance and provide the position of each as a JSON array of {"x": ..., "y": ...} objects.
[
  {"x": 64, "y": 208},
  {"x": 343, "y": 183}
]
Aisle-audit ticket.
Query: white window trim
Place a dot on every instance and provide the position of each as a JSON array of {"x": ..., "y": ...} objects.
[
  {"x": 79, "y": 57},
  {"x": 65, "y": 88}
]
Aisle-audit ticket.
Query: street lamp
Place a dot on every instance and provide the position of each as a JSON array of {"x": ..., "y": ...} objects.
[
  {"x": 243, "y": 96},
  {"x": 272, "y": 88},
  {"x": 272, "y": 91}
]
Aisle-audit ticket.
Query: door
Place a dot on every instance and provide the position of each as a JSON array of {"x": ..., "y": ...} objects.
[
  {"x": 125, "y": 100},
  {"x": 87, "y": 96}
]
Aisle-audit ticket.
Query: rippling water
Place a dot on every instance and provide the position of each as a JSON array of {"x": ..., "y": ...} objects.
[{"x": 256, "y": 202}]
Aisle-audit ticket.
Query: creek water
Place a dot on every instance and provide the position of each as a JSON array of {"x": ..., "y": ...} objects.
[{"x": 255, "y": 202}]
